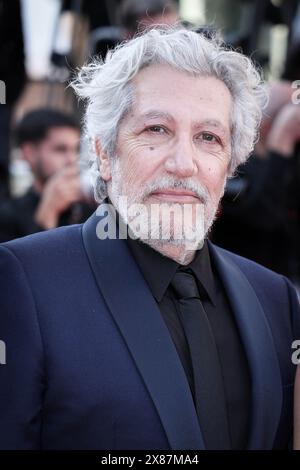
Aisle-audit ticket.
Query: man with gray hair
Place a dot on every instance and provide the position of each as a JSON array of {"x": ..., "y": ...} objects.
[{"x": 133, "y": 331}]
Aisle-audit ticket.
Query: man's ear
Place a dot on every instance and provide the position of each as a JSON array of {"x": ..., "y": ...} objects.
[
  {"x": 29, "y": 152},
  {"x": 103, "y": 161}
]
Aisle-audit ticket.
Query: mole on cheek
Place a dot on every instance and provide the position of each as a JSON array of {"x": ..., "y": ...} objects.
[{"x": 151, "y": 148}]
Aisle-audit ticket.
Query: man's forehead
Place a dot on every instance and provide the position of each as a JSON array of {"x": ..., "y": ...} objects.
[
  {"x": 155, "y": 97},
  {"x": 61, "y": 132},
  {"x": 167, "y": 75}
]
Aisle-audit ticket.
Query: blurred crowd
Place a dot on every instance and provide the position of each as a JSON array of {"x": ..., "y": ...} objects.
[{"x": 41, "y": 44}]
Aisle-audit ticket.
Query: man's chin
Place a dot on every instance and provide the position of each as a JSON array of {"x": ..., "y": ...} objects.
[
  {"x": 163, "y": 224},
  {"x": 186, "y": 245},
  {"x": 159, "y": 240},
  {"x": 170, "y": 200},
  {"x": 181, "y": 251}
]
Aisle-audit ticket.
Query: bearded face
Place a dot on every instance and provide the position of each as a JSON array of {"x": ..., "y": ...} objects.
[{"x": 172, "y": 156}]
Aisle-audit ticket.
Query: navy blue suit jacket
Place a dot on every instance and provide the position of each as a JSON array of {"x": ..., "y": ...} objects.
[{"x": 90, "y": 363}]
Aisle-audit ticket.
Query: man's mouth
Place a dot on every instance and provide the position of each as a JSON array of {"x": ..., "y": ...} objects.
[{"x": 175, "y": 195}]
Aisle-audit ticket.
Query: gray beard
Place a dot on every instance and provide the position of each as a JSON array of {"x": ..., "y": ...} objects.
[{"x": 181, "y": 250}]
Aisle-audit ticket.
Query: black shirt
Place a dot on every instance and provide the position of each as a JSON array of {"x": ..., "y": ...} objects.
[{"x": 158, "y": 272}]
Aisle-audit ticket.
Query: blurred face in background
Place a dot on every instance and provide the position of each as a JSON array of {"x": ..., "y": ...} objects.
[
  {"x": 166, "y": 15},
  {"x": 167, "y": 18},
  {"x": 57, "y": 150}
]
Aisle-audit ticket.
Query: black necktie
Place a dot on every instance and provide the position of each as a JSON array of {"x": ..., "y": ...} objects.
[{"x": 208, "y": 382}]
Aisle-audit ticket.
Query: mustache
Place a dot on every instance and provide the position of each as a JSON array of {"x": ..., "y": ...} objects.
[{"x": 168, "y": 182}]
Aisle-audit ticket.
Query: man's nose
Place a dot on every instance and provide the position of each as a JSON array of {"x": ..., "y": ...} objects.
[{"x": 182, "y": 159}]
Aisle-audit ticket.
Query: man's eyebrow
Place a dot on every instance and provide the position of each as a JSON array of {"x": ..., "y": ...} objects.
[
  {"x": 156, "y": 114},
  {"x": 212, "y": 123}
]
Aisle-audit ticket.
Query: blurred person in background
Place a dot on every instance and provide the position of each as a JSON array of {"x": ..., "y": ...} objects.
[
  {"x": 259, "y": 216},
  {"x": 12, "y": 74},
  {"x": 137, "y": 15},
  {"x": 126, "y": 18},
  {"x": 49, "y": 142}
]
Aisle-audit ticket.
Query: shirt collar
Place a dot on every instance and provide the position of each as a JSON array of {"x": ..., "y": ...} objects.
[{"x": 158, "y": 270}]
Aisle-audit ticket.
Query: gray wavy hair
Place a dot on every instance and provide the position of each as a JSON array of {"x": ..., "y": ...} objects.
[{"x": 106, "y": 86}]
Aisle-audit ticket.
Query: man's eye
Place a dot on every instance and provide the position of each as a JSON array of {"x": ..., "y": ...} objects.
[
  {"x": 156, "y": 129},
  {"x": 208, "y": 137}
]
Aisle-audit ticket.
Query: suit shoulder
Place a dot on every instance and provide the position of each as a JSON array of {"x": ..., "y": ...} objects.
[{"x": 50, "y": 243}]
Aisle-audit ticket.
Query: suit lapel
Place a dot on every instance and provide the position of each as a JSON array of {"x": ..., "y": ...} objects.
[
  {"x": 143, "y": 329},
  {"x": 260, "y": 351}
]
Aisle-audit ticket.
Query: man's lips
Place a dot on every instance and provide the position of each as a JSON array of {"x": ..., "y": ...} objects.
[{"x": 179, "y": 195}]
